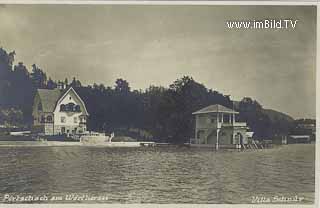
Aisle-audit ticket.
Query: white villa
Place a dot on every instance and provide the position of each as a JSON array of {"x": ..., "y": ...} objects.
[
  {"x": 59, "y": 111},
  {"x": 216, "y": 125}
]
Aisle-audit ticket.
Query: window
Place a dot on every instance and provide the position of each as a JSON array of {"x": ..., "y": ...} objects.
[
  {"x": 62, "y": 107},
  {"x": 63, "y": 119},
  {"x": 77, "y": 108},
  {"x": 200, "y": 134},
  {"x": 75, "y": 119},
  {"x": 49, "y": 119},
  {"x": 213, "y": 118},
  {"x": 42, "y": 119},
  {"x": 70, "y": 107},
  {"x": 39, "y": 107},
  {"x": 226, "y": 118},
  {"x": 82, "y": 119}
]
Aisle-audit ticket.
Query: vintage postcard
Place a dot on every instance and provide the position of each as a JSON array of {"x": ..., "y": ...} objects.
[{"x": 158, "y": 103}]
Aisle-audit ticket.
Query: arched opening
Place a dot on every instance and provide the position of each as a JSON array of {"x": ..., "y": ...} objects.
[
  {"x": 42, "y": 119},
  {"x": 239, "y": 138},
  {"x": 62, "y": 107},
  {"x": 49, "y": 118},
  {"x": 77, "y": 108},
  {"x": 70, "y": 107},
  {"x": 200, "y": 136}
]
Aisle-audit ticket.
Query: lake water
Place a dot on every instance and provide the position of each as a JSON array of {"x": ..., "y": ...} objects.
[{"x": 157, "y": 175}]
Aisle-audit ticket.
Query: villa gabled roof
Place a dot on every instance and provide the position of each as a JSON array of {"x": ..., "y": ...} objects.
[
  {"x": 71, "y": 89},
  {"x": 49, "y": 98},
  {"x": 215, "y": 109}
]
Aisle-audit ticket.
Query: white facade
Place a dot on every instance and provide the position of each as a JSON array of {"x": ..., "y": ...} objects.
[
  {"x": 70, "y": 121},
  {"x": 62, "y": 114},
  {"x": 216, "y": 125}
]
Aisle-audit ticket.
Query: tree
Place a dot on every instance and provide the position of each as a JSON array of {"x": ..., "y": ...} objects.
[
  {"x": 66, "y": 83},
  {"x": 11, "y": 117},
  {"x": 163, "y": 112},
  {"x": 122, "y": 86},
  {"x": 75, "y": 83},
  {"x": 51, "y": 84},
  {"x": 39, "y": 78},
  {"x": 6, "y": 61}
]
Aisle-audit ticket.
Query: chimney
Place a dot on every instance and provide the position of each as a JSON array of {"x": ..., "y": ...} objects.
[{"x": 61, "y": 85}]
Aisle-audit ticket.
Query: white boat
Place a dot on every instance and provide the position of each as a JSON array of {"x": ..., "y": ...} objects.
[{"x": 92, "y": 137}]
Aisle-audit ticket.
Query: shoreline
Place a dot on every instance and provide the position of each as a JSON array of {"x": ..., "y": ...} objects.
[
  {"x": 111, "y": 144},
  {"x": 70, "y": 144}
]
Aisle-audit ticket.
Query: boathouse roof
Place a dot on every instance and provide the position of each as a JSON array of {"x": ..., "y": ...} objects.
[{"x": 215, "y": 109}]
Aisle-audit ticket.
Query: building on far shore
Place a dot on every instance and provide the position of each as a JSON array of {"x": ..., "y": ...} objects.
[
  {"x": 298, "y": 139},
  {"x": 216, "y": 124},
  {"x": 59, "y": 111}
]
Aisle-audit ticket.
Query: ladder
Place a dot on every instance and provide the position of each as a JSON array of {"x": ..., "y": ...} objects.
[{"x": 255, "y": 144}]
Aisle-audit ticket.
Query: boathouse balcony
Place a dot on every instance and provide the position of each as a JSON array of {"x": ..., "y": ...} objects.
[{"x": 235, "y": 124}]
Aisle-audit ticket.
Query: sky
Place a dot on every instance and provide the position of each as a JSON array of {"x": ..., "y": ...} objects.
[{"x": 155, "y": 45}]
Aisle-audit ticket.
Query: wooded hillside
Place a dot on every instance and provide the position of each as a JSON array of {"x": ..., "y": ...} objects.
[{"x": 156, "y": 113}]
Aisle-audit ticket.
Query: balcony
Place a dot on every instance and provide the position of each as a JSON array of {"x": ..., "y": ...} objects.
[
  {"x": 70, "y": 107},
  {"x": 236, "y": 124}
]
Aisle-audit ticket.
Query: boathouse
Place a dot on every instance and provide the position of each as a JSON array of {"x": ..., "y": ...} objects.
[
  {"x": 216, "y": 125},
  {"x": 296, "y": 139},
  {"x": 59, "y": 111}
]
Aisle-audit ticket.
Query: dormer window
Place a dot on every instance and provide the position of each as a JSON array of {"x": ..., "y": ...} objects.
[
  {"x": 70, "y": 107},
  {"x": 62, "y": 107},
  {"x": 39, "y": 107},
  {"x": 77, "y": 108}
]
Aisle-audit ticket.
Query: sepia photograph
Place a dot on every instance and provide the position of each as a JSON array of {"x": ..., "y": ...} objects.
[{"x": 157, "y": 104}]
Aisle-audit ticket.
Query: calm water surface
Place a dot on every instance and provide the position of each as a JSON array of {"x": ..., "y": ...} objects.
[{"x": 159, "y": 175}]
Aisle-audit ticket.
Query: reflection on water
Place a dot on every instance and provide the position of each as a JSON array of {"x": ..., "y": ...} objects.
[{"x": 160, "y": 175}]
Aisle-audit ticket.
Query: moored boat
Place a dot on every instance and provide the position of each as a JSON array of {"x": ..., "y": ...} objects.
[{"x": 95, "y": 137}]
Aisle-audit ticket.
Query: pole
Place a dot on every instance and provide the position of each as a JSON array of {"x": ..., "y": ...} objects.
[
  {"x": 217, "y": 136},
  {"x": 217, "y": 144}
]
